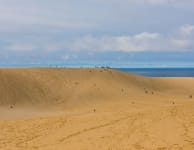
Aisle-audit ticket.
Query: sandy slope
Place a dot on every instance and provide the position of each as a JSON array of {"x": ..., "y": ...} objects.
[{"x": 80, "y": 109}]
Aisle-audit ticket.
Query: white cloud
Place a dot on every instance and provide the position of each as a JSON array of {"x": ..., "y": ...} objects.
[
  {"x": 139, "y": 42},
  {"x": 21, "y": 47},
  {"x": 68, "y": 56},
  {"x": 181, "y": 39},
  {"x": 146, "y": 36},
  {"x": 183, "y": 3},
  {"x": 180, "y": 44},
  {"x": 120, "y": 25},
  {"x": 22, "y": 15},
  {"x": 187, "y": 29}
]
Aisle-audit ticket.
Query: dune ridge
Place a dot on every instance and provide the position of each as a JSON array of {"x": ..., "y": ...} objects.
[
  {"x": 39, "y": 86},
  {"x": 94, "y": 108}
]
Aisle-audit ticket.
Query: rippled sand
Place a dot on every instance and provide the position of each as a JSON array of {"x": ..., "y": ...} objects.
[{"x": 80, "y": 109}]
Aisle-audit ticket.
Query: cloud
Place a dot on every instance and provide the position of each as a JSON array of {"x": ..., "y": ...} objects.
[
  {"x": 68, "y": 56},
  {"x": 178, "y": 40},
  {"x": 187, "y": 29},
  {"x": 21, "y": 47},
  {"x": 23, "y": 16},
  {"x": 52, "y": 16},
  {"x": 95, "y": 25},
  {"x": 138, "y": 42},
  {"x": 174, "y": 3}
]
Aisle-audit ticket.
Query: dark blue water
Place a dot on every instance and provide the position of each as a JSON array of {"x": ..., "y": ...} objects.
[{"x": 161, "y": 72}]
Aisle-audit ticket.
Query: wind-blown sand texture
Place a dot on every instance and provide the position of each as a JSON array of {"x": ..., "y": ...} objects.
[{"x": 94, "y": 109}]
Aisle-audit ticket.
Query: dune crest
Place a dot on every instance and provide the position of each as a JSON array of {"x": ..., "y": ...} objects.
[
  {"x": 57, "y": 108},
  {"x": 48, "y": 86}
]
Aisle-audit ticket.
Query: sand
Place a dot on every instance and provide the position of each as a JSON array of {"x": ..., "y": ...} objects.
[{"x": 94, "y": 109}]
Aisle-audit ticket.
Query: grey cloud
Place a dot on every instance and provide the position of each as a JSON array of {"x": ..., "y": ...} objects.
[
  {"x": 181, "y": 39},
  {"x": 95, "y": 25}
]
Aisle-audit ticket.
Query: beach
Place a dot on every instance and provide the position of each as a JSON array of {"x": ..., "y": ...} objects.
[{"x": 94, "y": 108}]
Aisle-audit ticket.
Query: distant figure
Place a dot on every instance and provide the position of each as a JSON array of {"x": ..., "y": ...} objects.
[
  {"x": 76, "y": 83},
  {"x": 173, "y": 103},
  {"x": 11, "y": 107},
  {"x": 94, "y": 110},
  {"x": 190, "y": 96},
  {"x": 152, "y": 93},
  {"x": 146, "y": 91}
]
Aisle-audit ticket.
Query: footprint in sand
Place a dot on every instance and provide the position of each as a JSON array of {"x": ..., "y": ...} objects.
[{"x": 146, "y": 91}]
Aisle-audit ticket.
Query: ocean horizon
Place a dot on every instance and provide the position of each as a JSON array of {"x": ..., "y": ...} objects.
[
  {"x": 144, "y": 71},
  {"x": 160, "y": 72}
]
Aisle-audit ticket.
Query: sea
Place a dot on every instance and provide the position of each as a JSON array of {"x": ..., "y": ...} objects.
[
  {"x": 160, "y": 72},
  {"x": 144, "y": 71}
]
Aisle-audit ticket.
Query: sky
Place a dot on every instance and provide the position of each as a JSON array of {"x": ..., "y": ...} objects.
[{"x": 116, "y": 33}]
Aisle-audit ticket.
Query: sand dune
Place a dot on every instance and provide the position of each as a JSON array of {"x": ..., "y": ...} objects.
[{"x": 79, "y": 109}]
